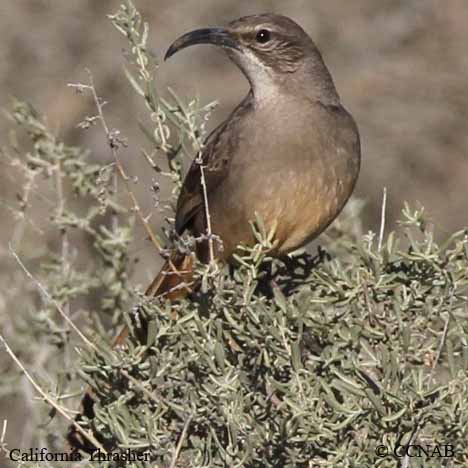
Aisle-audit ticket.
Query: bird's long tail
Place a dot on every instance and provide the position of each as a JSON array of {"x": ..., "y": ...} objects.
[
  {"x": 174, "y": 279},
  {"x": 173, "y": 282}
]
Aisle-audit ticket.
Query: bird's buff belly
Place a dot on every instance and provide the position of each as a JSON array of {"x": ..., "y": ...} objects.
[{"x": 297, "y": 206}]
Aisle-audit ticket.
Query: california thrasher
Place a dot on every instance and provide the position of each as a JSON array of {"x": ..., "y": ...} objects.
[{"x": 289, "y": 153}]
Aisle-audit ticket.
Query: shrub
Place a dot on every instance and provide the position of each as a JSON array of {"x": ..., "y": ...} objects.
[{"x": 335, "y": 360}]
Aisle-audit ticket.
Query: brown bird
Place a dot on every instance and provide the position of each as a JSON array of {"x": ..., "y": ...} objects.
[{"x": 289, "y": 153}]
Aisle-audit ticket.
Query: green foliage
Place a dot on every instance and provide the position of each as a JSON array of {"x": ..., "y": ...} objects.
[
  {"x": 61, "y": 192},
  {"x": 69, "y": 168},
  {"x": 362, "y": 352}
]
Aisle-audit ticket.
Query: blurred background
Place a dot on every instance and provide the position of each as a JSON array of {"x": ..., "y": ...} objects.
[{"x": 400, "y": 66}]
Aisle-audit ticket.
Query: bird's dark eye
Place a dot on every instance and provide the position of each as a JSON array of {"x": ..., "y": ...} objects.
[{"x": 263, "y": 36}]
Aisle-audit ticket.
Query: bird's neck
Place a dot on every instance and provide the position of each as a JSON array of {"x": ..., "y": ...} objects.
[
  {"x": 312, "y": 85},
  {"x": 277, "y": 96}
]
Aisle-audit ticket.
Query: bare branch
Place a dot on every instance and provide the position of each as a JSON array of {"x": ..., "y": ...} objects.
[
  {"x": 207, "y": 213},
  {"x": 382, "y": 219},
  {"x": 115, "y": 141},
  {"x": 49, "y": 400},
  {"x": 181, "y": 441},
  {"x": 47, "y": 295}
]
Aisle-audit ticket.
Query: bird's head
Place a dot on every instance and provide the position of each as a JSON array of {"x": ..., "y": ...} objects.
[{"x": 272, "y": 51}]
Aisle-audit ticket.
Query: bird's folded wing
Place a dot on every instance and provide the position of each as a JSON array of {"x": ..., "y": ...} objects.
[{"x": 217, "y": 155}]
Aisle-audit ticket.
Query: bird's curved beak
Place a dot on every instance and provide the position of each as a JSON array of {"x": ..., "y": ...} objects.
[{"x": 215, "y": 36}]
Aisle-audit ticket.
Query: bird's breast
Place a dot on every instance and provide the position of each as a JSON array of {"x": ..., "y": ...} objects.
[
  {"x": 300, "y": 199},
  {"x": 293, "y": 175}
]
